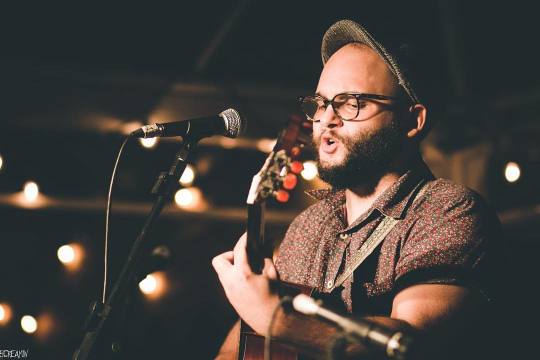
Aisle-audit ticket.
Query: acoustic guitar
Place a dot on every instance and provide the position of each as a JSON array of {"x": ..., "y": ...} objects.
[{"x": 275, "y": 179}]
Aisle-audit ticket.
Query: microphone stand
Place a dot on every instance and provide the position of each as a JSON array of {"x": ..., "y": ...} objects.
[{"x": 164, "y": 186}]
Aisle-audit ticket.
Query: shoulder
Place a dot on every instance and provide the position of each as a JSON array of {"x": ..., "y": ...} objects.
[
  {"x": 446, "y": 190},
  {"x": 452, "y": 214},
  {"x": 443, "y": 195}
]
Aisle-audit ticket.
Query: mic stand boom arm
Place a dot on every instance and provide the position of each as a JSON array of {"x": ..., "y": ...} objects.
[{"x": 166, "y": 183}]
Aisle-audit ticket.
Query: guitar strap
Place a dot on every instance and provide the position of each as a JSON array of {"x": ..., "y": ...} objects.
[{"x": 378, "y": 235}]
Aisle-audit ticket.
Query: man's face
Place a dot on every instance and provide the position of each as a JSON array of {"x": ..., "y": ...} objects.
[{"x": 351, "y": 153}]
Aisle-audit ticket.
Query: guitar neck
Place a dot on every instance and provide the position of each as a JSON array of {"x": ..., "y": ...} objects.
[{"x": 256, "y": 247}]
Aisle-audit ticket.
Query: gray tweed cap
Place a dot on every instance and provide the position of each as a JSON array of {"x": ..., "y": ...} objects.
[{"x": 344, "y": 32}]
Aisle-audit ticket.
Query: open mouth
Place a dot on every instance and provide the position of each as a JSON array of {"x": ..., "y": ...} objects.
[{"x": 328, "y": 144}]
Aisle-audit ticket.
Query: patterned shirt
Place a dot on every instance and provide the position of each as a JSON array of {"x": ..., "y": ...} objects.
[{"x": 442, "y": 236}]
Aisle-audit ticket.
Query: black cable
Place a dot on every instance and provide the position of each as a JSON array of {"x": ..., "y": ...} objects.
[
  {"x": 268, "y": 337},
  {"x": 107, "y": 218}
]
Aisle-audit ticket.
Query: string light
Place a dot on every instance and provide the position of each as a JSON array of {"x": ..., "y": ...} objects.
[
  {"x": 31, "y": 191},
  {"x": 227, "y": 143},
  {"x": 131, "y": 126},
  {"x": 148, "y": 285},
  {"x": 266, "y": 145},
  {"x": 29, "y": 324},
  {"x": 47, "y": 326},
  {"x": 190, "y": 199},
  {"x": 512, "y": 172},
  {"x": 310, "y": 170},
  {"x": 71, "y": 256},
  {"x": 5, "y": 314},
  {"x": 66, "y": 254},
  {"x": 154, "y": 285},
  {"x": 188, "y": 176},
  {"x": 149, "y": 142}
]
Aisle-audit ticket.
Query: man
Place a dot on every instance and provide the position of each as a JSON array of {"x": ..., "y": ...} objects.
[{"x": 430, "y": 272}]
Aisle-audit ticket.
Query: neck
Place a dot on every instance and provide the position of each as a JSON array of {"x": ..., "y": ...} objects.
[{"x": 359, "y": 199}]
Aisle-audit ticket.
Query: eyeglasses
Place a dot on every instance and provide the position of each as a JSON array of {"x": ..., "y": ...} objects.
[{"x": 348, "y": 106}]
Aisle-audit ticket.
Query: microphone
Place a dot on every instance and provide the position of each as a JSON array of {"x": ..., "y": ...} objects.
[
  {"x": 228, "y": 123},
  {"x": 396, "y": 344}
]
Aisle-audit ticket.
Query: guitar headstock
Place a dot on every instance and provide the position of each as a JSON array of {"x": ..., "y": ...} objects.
[{"x": 279, "y": 173}]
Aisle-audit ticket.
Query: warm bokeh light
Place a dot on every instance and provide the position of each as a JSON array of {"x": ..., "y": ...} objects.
[
  {"x": 154, "y": 285},
  {"x": 66, "y": 254},
  {"x": 227, "y": 142},
  {"x": 190, "y": 199},
  {"x": 71, "y": 256},
  {"x": 310, "y": 170},
  {"x": 148, "y": 285},
  {"x": 31, "y": 191},
  {"x": 266, "y": 145},
  {"x": 5, "y": 313},
  {"x": 188, "y": 176},
  {"x": 1, "y": 162},
  {"x": 29, "y": 324},
  {"x": 47, "y": 326},
  {"x": 149, "y": 142},
  {"x": 183, "y": 197},
  {"x": 512, "y": 172},
  {"x": 129, "y": 127}
]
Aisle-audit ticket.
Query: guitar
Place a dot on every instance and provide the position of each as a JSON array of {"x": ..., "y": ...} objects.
[{"x": 277, "y": 176}]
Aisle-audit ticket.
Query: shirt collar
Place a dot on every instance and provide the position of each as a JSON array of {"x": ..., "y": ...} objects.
[{"x": 393, "y": 202}]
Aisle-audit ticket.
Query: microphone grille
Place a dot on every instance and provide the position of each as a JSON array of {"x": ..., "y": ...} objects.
[{"x": 234, "y": 123}]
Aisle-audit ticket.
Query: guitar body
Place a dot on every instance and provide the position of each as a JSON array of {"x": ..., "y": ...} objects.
[
  {"x": 252, "y": 344},
  {"x": 278, "y": 174}
]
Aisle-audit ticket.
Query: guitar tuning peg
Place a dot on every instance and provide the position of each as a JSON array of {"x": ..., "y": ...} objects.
[
  {"x": 297, "y": 167},
  {"x": 295, "y": 151},
  {"x": 290, "y": 181},
  {"x": 282, "y": 196}
]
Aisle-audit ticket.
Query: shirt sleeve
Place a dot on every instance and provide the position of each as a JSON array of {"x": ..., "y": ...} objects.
[{"x": 451, "y": 242}]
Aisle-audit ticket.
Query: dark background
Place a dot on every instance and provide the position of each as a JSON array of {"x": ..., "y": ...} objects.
[{"x": 73, "y": 75}]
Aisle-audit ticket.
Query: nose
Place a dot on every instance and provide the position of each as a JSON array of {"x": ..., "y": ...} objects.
[{"x": 330, "y": 119}]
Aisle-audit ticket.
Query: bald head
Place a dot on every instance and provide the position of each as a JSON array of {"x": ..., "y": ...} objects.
[{"x": 356, "y": 68}]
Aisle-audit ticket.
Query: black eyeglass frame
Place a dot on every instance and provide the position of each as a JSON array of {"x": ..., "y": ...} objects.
[{"x": 357, "y": 96}]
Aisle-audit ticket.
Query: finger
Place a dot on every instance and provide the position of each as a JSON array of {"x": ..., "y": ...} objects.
[
  {"x": 240, "y": 255},
  {"x": 229, "y": 256},
  {"x": 269, "y": 269},
  {"x": 223, "y": 262}
]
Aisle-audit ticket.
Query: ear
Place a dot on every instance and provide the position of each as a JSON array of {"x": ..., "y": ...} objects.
[{"x": 418, "y": 120}]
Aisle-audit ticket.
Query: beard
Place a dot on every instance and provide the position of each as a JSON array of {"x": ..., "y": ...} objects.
[{"x": 370, "y": 154}]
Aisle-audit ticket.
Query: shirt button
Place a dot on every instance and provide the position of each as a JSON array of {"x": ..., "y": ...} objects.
[
  {"x": 343, "y": 236},
  {"x": 329, "y": 284}
]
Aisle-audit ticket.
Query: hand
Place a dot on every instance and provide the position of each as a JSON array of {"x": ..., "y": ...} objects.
[{"x": 249, "y": 293}]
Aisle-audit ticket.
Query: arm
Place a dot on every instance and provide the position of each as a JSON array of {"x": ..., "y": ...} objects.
[{"x": 432, "y": 309}]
